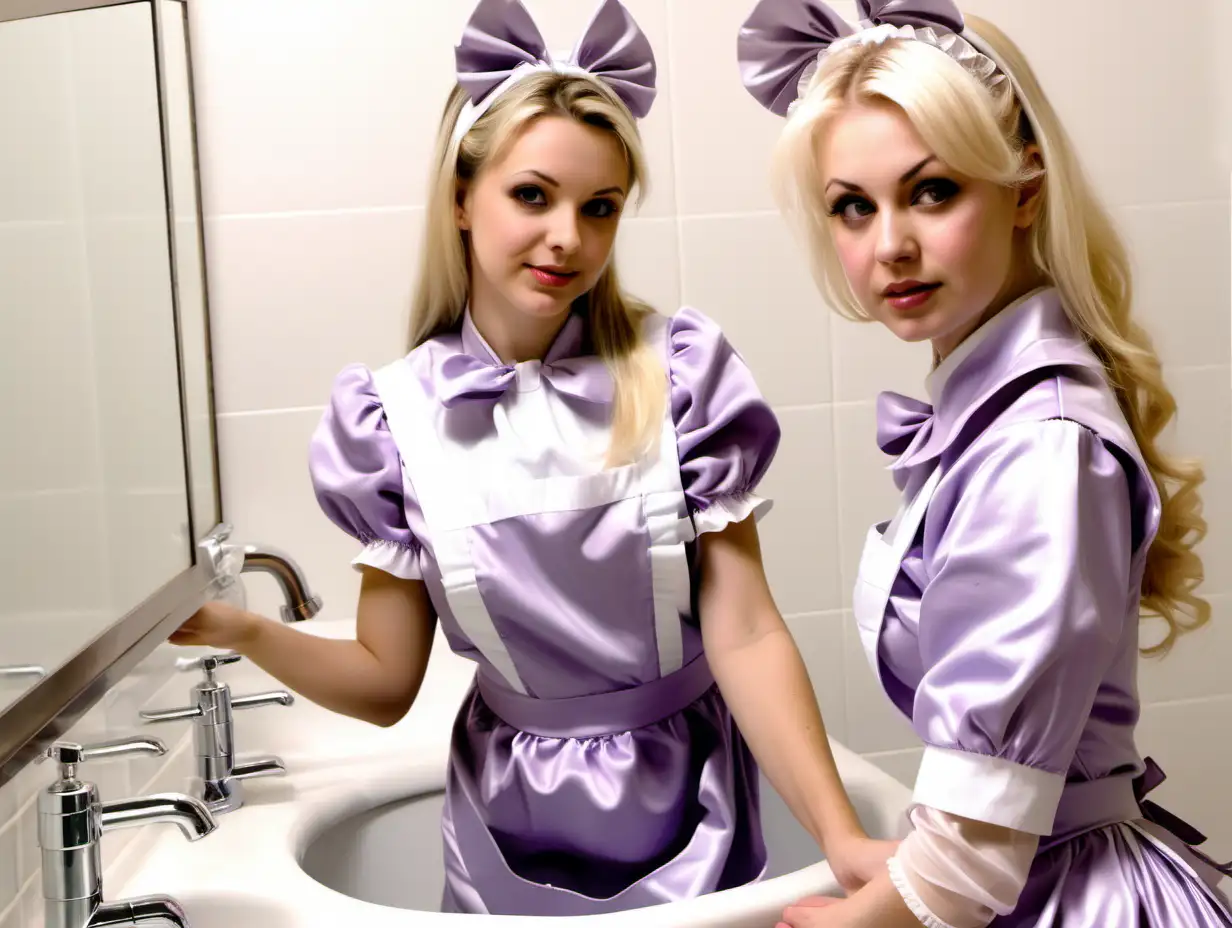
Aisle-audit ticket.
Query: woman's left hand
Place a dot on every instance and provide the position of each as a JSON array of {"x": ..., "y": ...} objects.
[
  {"x": 858, "y": 860},
  {"x": 855, "y": 861},
  {"x": 877, "y": 905},
  {"x": 813, "y": 912}
]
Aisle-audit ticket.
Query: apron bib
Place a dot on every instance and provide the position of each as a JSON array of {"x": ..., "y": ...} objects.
[{"x": 884, "y": 549}]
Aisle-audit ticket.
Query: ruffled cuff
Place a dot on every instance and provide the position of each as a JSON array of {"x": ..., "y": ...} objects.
[
  {"x": 397, "y": 560},
  {"x": 730, "y": 510},
  {"x": 989, "y": 789},
  {"x": 899, "y": 878}
]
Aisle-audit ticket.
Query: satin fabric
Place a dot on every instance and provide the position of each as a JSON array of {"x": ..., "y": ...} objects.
[
  {"x": 501, "y": 37},
  {"x": 540, "y": 825},
  {"x": 780, "y": 42},
  {"x": 1011, "y": 633},
  {"x": 549, "y": 826}
]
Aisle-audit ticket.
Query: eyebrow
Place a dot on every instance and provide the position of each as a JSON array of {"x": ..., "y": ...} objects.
[
  {"x": 902, "y": 180},
  {"x": 555, "y": 183}
]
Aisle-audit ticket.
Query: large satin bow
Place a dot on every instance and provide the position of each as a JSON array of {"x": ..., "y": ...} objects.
[
  {"x": 782, "y": 38},
  {"x": 501, "y": 37},
  {"x": 1151, "y": 778},
  {"x": 463, "y": 377},
  {"x": 900, "y": 422}
]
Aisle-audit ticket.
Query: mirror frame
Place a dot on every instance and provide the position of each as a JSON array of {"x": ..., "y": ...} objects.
[{"x": 49, "y": 708}]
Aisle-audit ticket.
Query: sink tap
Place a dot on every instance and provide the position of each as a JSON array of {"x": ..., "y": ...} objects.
[
  {"x": 19, "y": 671},
  {"x": 300, "y": 603},
  {"x": 143, "y": 911},
  {"x": 71, "y": 823},
  {"x": 231, "y": 560},
  {"x": 218, "y": 775}
]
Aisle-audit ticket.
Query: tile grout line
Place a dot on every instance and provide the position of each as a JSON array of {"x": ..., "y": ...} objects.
[
  {"x": 285, "y": 410},
  {"x": 897, "y": 752},
  {"x": 333, "y": 212},
  {"x": 1188, "y": 701}
]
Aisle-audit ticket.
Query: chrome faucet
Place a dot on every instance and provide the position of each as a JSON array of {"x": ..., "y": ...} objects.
[
  {"x": 218, "y": 775},
  {"x": 71, "y": 823},
  {"x": 301, "y": 603},
  {"x": 230, "y": 560},
  {"x": 20, "y": 671}
]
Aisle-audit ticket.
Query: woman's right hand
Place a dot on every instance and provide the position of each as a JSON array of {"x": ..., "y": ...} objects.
[{"x": 217, "y": 625}]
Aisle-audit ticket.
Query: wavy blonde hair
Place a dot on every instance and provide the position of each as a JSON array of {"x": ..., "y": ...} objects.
[
  {"x": 983, "y": 132},
  {"x": 615, "y": 317}
]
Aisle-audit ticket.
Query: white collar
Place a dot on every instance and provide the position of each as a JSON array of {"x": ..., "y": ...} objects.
[{"x": 935, "y": 382}]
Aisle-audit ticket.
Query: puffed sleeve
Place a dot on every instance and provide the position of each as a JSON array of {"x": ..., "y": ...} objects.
[
  {"x": 726, "y": 433},
  {"x": 1027, "y": 606},
  {"x": 357, "y": 475}
]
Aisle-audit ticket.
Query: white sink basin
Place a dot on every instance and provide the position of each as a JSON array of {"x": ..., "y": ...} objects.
[
  {"x": 234, "y": 911},
  {"x": 351, "y": 834},
  {"x": 391, "y": 855}
]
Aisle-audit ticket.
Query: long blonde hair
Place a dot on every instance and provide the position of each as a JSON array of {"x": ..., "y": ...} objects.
[
  {"x": 615, "y": 318},
  {"x": 983, "y": 132}
]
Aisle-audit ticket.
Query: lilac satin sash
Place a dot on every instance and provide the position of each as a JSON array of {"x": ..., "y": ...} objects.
[
  {"x": 1094, "y": 804},
  {"x": 602, "y": 713},
  {"x": 1107, "y": 801}
]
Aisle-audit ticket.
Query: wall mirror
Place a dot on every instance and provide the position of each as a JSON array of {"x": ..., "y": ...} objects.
[{"x": 108, "y": 474}]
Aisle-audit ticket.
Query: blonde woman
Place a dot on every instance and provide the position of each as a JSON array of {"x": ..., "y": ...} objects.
[
  {"x": 999, "y": 608},
  {"x": 567, "y": 480}
]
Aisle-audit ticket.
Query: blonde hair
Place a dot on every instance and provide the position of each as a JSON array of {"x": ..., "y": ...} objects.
[
  {"x": 615, "y": 317},
  {"x": 982, "y": 131}
]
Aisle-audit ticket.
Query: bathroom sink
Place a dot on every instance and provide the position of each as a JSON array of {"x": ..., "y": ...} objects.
[
  {"x": 391, "y": 855},
  {"x": 233, "y": 911},
  {"x": 351, "y": 834}
]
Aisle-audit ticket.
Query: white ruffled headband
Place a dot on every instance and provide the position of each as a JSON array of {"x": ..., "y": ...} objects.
[{"x": 783, "y": 42}]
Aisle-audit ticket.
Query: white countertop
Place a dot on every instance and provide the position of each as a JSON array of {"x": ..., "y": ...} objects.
[{"x": 248, "y": 872}]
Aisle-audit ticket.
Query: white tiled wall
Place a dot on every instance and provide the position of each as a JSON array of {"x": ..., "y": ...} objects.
[{"x": 316, "y": 119}]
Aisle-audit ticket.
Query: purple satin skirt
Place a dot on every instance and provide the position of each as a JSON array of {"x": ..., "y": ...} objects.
[{"x": 598, "y": 804}]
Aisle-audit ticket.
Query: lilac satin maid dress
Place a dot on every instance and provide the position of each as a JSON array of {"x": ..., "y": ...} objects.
[
  {"x": 594, "y": 766},
  {"x": 999, "y": 610}
]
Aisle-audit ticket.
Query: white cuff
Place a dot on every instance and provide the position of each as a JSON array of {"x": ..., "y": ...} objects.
[
  {"x": 730, "y": 510},
  {"x": 989, "y": 789},
  {"x": 914, "y": 902},
  {"x": 395, "y": 559}
]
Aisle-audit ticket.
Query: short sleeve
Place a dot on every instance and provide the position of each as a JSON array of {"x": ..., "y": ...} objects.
[
  {"x": 1026, "y": 608},
  {"x": 726, "y": 433},
  {"x": 357, "y": 476}
]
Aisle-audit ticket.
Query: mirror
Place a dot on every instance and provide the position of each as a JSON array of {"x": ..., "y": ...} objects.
[{"x": 107, "y": 467}]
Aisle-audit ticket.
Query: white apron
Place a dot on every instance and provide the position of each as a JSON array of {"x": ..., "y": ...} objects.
[{"x": 884, "y": 549}]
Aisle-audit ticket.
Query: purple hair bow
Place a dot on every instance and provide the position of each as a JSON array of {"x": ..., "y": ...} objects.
[
  {"x": 782, "y": 38},
  {"x": 502, "y": 42}
]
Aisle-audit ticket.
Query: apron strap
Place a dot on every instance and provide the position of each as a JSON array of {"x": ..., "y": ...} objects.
[
  {"x": 441, "y": 494},
  {"x": 880, "y": 564}
]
